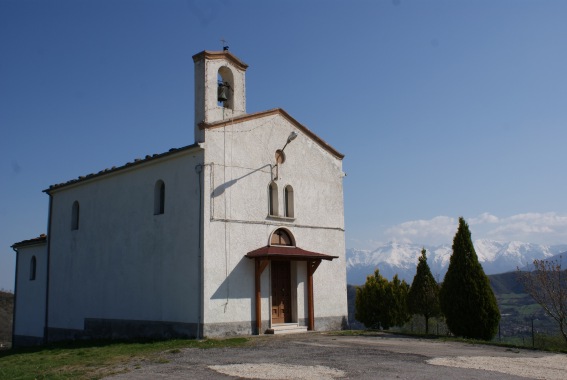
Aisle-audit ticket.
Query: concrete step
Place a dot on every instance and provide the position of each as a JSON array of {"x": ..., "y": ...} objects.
[{"x": 286, "y": 328}]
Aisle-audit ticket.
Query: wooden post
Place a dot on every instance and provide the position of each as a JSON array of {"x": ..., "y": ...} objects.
[
  {"x": 310, "y": 309},
  {"x": 260, "y": 265},
  {"x": 258, "y": 297},
  {"x": 312, "y": 266}
]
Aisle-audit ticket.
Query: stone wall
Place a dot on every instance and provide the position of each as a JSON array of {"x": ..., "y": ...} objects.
[{"x": 6, "y": 313}]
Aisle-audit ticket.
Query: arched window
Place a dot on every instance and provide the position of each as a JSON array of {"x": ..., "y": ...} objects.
[
  {"x": 273, "y": 199},
  {"x": 282, "y": 237},
  {"x": 75, "y": 216},
  {"x": 288, "y": 199},
  {"x": 225, "y": 96},
  {"x": 159, "y": 198},
  {"x": 33, "y": 267}
]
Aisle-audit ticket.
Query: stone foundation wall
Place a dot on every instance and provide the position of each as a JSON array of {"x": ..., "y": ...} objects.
[
  {"x": 27, "y": 341},
  {"x": 118, "y": 329},
  {"x": 6, "y": 318},
  {"x": 218, "y": 330},
  {"x": 331, "y": 323}
]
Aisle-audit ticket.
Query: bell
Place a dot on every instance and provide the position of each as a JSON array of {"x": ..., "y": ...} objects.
[{"x": 222, "y": 93}]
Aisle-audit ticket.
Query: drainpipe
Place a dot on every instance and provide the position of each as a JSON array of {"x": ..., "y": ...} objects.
[
  {"x": 49, "y": 220},
  {"x": 15, "y": 298},
  {"x": 199, "y": 169}
]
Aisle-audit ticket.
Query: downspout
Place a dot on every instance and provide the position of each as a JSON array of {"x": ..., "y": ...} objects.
[
  {"x": 15, "y": 298},
  {"x": 46, "y": 323},
  {"x": 199, "y": 169}
]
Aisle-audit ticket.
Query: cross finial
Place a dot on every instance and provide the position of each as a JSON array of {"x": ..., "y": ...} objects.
[{"x": 224, "y": 45}]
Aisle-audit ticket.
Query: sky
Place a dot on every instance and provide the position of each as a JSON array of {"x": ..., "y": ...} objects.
[{"x": 442, "y": 108}]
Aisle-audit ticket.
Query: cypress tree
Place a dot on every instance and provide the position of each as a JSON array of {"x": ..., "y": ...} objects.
[
  {"x": 423, "y": 297},
  {"x": 466, "y": 297}
]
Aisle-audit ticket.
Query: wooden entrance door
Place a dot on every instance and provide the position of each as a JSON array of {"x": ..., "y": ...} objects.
[{"x": 281, "y": 292}]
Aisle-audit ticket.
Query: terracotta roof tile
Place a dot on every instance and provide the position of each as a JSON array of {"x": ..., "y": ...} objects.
[
  {"x": 290, "y": 253},
  {"x": 40, "y": 239},
  {"x": 136, "y": 161}
]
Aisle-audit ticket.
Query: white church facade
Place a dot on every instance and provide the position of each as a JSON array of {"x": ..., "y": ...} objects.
[{"x": 240, "y": 233}]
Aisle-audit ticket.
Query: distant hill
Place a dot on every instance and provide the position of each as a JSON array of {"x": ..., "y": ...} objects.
[
  {"x": 506, "y": 283},
  {"x": 6, "y": 312},
  {"x": 517, "y": 308}
]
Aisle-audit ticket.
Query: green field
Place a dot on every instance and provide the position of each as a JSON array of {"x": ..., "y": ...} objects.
[{"x": 518, "y": 311}]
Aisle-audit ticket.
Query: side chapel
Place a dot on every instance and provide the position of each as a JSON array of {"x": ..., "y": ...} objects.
[{"x": 241, "y": 232}]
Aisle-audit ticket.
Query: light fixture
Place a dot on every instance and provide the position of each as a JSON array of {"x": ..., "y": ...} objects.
[
  {"x": 290, "y": 138},
  {"x": 280, "y": 156}
]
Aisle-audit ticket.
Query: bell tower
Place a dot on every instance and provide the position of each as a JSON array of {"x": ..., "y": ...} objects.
[{"x": 220, "y": 88}]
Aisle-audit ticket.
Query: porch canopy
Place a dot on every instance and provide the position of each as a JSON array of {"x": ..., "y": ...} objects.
[
  {"x": 262, "y": 256},
  {"x": 274, "y": 252}
]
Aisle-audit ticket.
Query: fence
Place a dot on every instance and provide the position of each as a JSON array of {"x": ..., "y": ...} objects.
[{"x": 537, "y": 331}]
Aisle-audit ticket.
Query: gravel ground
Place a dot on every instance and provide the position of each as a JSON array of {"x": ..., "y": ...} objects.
[{"x": 325, "y": 356}]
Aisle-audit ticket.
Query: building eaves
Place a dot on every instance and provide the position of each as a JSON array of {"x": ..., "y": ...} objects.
[
  {"x": 275, "y": 111},
  {"x": 212, "y": 55},
  {"x": 38, "y": 240},
  {"x": 136, "y": 162}
]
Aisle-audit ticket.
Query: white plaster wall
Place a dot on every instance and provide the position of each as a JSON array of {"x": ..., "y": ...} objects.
[
  {"x": 329, "y": 280},
  {"x": 299, "y": 290},
  {"x": 30, "y": 297},
  {"x": 242, "y": 176},
  {"x": 229, "y": 276},
  {"x": 199, "y": 79},
  {"x": 124, "y": 262},
  {"x": 239, "y": 158}
]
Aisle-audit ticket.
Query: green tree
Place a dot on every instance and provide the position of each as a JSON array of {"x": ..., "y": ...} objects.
[
  {"x": 367, "y": 307},
  {"x": 382, "y": 304},
  {"x": 423, "y": 296},
  {"x": 395, "y": 303},
  {"x": 466, "y": 298}
]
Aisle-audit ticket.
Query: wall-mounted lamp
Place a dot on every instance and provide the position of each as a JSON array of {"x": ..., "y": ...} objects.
[
  {"x": 280, "y": 156},
  {"x": 290, "y": 138}
]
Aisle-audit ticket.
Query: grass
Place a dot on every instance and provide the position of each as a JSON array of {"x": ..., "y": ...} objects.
[{"x": 94, "y": 360}]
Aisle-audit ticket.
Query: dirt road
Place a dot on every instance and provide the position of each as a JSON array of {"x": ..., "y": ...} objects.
[{"x": 325, "y": 356}]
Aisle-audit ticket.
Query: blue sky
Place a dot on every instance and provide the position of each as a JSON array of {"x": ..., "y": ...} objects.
[{"x": 442, "y": 108}]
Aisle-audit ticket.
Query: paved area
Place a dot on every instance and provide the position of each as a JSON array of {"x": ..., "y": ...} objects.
[{"x": 326, "y": 356}]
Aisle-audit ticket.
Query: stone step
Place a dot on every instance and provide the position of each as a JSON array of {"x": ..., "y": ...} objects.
[{"x": 286, "y": 328}]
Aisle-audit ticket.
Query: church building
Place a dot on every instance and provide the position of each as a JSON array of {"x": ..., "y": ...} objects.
[{"x": 240, "y": 233}]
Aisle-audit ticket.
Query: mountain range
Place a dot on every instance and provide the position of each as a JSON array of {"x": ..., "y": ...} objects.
[{"x": 401, "y": 258}]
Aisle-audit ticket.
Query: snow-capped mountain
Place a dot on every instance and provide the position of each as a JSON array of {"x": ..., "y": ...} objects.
[{"x": 401, "y": 258}]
